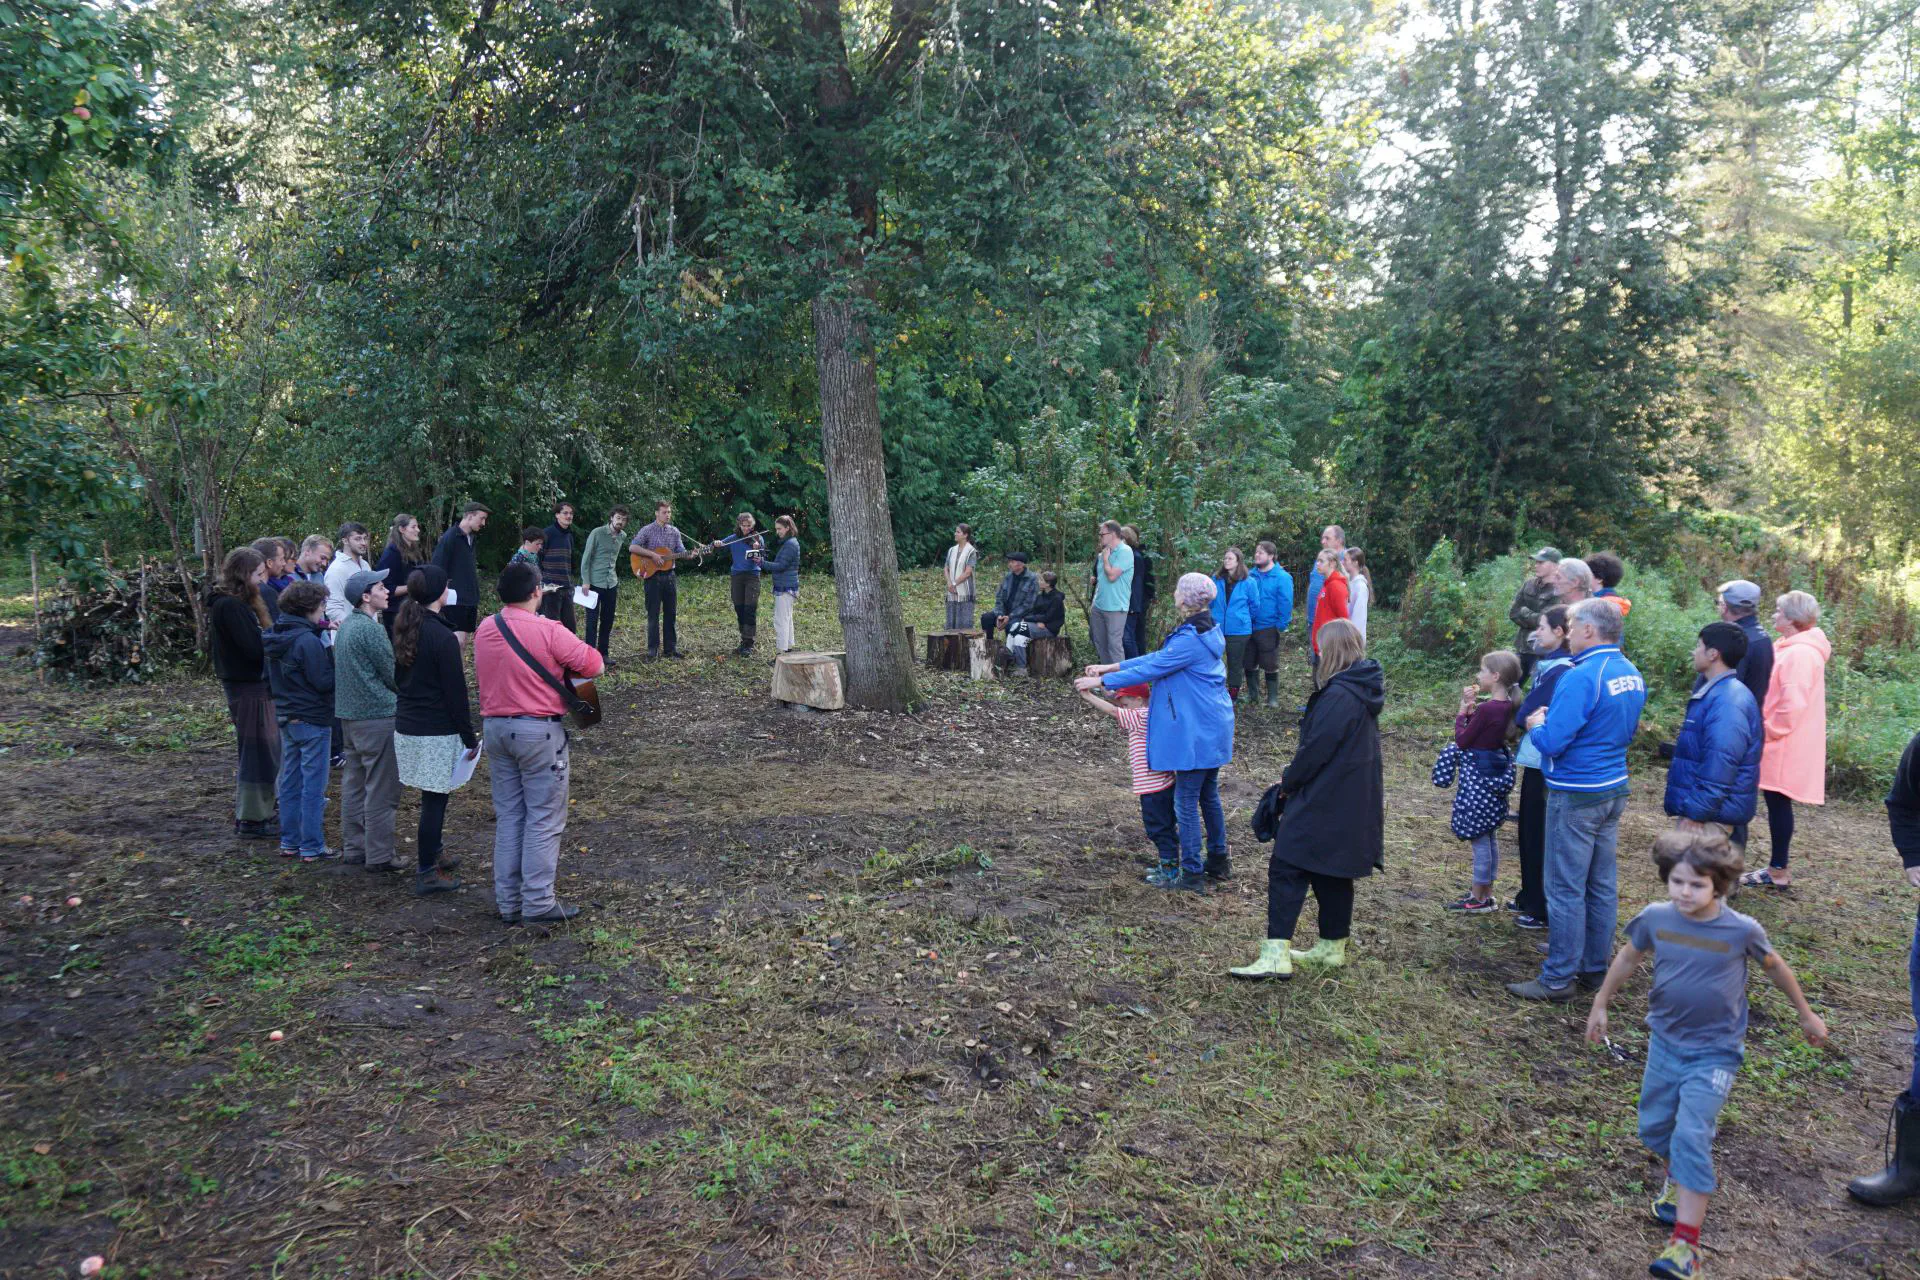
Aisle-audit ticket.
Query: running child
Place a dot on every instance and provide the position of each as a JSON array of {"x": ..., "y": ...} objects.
[
  {"x": 1697, "y": 1022},
  {"x": 1154, "y": 788}
]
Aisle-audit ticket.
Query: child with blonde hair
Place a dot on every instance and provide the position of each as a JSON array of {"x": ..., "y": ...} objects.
[{"x": 1479, "y": 759}]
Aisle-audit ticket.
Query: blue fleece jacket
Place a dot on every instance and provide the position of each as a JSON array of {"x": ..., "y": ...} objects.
[
  {"x": 1716, "y": 759},
  {"x": 1233, "y": 610},
  {"x": 1273, "y": 606},
  {"x": 1593, "y": 716},
  {"x": 300, "y": 671},
  {"x": 1189, "y": 716}
]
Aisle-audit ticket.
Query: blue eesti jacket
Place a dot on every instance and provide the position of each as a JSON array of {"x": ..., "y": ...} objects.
[
  {"x": 1593, "y": 716},
  {"x": 1233, "y": 609},
  {"x": 1716, "y": 759},
  {"x": 1273, "y": 607},
  {"x": 1189, "y": 716}
]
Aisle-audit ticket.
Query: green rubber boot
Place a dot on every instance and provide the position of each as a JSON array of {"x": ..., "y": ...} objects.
[
  {"x": 1275, "y": 962},
  {"x": 1273, "y": 688},
  {"x": 1326, "y": 954}
]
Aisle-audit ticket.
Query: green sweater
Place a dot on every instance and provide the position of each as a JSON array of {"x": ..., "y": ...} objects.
[
  {"x": 597, "y": 561},
  {"x": 363, "y": 687}
]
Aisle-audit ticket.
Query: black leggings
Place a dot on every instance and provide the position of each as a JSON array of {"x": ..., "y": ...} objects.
[
  {"x": 433, "y": 819},
  {"x": 1779, "y": 826},
  {"x": 1532, "y": 826},
  {"x": 1287, "y": 887}
]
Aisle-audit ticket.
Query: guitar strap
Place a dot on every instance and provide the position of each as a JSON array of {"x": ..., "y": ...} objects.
[{"x": 572, "y": 700}]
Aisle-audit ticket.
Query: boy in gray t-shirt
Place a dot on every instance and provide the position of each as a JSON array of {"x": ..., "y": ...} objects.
[{"x": 1697, "y": 1013}]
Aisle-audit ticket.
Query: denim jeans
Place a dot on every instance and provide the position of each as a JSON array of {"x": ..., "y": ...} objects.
[
  {"x": 1486, "y": 857},
  {"x": 1583, "y": 885},
  {"x": 1681, "y": 1094},
  {"x": 1913, "y": 984},
  {"x": 1196, "y": 799},
  {"x": 304, "y": 762},
  {"x": 1156, "y": 815}
]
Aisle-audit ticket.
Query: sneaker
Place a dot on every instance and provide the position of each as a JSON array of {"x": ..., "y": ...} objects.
[
  {"x": 558, "y": 912},
  {"x": 1521, "y": 920},
  {"x": 437, "y": 881},
  {"x": 288, "y": 853},
  {"x": 652, "y": 657},
  {"x": 1666, "y": 1205},
  {"x": 1513, "y": 904},
  {"x": 447, "y": 861},
  {"x": 337, "y": 760},
  {"x": 325, "y": 855},
  {"x": 1161, "y": 874},
  {"x": 1678, "y": 1261},
  {"x": 354, "y": 860},
  {"x": 676, "y": 655},
  {"x": 1470, "y": 905},
  {"x": 1534, "y": 989},
  {"x": 1187, "y": 882}
]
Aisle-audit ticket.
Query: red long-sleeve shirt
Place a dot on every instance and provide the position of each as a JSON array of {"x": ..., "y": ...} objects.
[
  {"x": 1333, "y": 604},
  {"x": 508, "y": 686}
]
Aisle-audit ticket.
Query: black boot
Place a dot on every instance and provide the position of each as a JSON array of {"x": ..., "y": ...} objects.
[
  {"x": 1219, "y": 868},
  {"x": 1900, "y": 1180}
]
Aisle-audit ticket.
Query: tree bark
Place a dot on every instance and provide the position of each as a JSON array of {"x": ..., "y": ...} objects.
[{"x": 866, "y": 568}]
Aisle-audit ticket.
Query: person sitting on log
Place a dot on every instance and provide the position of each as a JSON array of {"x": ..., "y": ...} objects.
[
  {"x": 1014, "y": 601},
  {"x": 1049, "y": 618}
]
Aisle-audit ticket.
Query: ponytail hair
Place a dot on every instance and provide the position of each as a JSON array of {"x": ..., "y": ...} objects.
[
  {"x": 1505, "y": 664},
  {"x": 406, "y": 624}
]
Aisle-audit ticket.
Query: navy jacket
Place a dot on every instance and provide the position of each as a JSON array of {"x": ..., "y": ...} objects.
[
  {"x": 455, "y": 554},
  {"x": 301, "y": 672},
  {"x": 1334, "y": 822},
  {"x": 1189, "y": 716},
  {"x": 1716, "y": 759},
  {"x": 1143, "y": 588},
  {"x": 1756, "y": 668},
  {"x": 784, "y": 568},
  {"x": 1903, "y": 805},
  {"x": 398, "y": 567}
]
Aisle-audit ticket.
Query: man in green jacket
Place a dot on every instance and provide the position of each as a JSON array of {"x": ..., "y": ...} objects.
[
  {"x": 599, "y": 571},
  {"x": 363, "y": 698},
  {"x": 1539, "y": 593}
]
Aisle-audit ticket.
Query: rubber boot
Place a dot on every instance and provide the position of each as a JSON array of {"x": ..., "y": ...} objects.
[
  {"x": 1900, "y": 1180},
  {"x": 1275, "y": 962},
  {"x": 1273, "y": 688},
  {"x": 1327, "y": 954}
]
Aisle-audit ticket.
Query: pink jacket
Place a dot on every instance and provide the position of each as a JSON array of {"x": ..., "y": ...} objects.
[{"x": 1794, "y": 760}]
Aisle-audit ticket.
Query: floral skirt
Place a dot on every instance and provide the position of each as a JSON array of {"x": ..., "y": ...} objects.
[{"x": 426, "y": 764}]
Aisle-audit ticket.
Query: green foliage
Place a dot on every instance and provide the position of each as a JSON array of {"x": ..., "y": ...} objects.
[{"x": 1435, "y": 613}]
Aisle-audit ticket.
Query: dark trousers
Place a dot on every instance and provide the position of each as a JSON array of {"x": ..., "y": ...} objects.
[
  {"x": 1156, "y": 815},
  {"x": 600, "y": 618},
  {"x": 663, "y": 610},
  {"x": 1287, "y": 887},
  {"x": 433, "y": 821},
  {"x": 988, "y": 621},
  {"x": 1532, "y": 898},
  {"x": 1913, "y": 990},
  {"x": 1779, "y": 826},
  {"x": 1133, "y": 641},
  {"x": 1236, "y": 659},
  {"x": 558, "y": 605},
  {"x": 746, "y": 606}
]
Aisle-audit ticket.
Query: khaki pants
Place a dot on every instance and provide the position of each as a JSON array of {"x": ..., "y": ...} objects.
[
  {"x": 369, "y": 790},
  {"x": 528, "y": 765}
]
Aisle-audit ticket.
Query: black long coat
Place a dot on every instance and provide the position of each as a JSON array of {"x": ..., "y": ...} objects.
[{"x": 1335, "y": 820}]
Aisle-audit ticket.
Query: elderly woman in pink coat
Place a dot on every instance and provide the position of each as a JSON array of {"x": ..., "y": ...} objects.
[{"x": 1793, "y": 764}]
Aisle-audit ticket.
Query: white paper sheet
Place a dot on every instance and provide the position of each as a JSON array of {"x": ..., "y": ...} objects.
[
  {"x": 585, "y": 598},
  {"x": 465, "y": 763}
]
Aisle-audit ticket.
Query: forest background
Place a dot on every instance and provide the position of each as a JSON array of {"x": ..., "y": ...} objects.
[{"x": 1597, "y": 272}]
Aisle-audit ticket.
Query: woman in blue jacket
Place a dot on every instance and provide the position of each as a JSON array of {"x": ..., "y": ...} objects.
[
  {"x": 784, "y": 569},
  {"x": 1234, "y": 598},
  {"x": 1189, "y": 728}
]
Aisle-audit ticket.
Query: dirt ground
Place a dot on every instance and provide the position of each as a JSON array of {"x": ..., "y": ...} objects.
[{"x": 855, "y": 995}]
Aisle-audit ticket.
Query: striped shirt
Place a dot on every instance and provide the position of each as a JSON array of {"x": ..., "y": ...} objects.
[{"x": 1145, "y": 781}]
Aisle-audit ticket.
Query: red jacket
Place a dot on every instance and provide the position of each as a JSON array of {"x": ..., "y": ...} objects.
[{"x": 1333, "y": 604}]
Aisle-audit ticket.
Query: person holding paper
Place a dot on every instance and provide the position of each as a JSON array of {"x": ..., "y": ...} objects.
[
  {"x": 433, "y": 723},
  {"x": 598, "y": 575}
]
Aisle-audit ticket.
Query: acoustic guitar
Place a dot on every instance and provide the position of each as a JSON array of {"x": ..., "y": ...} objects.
[
  {"x": 647, "y": 561},
  {"x": 584, "y": 707}
]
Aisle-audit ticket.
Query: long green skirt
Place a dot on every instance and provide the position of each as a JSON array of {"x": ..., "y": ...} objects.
[{"x": 258, "y": 776}]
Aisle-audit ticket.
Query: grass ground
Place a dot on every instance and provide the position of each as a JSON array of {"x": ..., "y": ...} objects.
[{"x": 854, "y": 995}]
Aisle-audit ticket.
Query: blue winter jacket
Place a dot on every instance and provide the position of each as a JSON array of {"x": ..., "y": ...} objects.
[
  {"x": 784, "y": 568},
  {"x": 1716, "y": 759},
  {"x": 1273, "y": 606},
  {"x": 1189, "y": 717},
  {"x": 1593, "y": 716},
  {"x": 300, "y": 671},
  {"x": 1235, "y": 615}
]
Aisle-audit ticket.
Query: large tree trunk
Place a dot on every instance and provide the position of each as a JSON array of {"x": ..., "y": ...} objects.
[{"x": 866, "y": 571}]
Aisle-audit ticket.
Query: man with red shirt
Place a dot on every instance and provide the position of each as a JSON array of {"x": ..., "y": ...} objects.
[{"x": 525, "y": 734}]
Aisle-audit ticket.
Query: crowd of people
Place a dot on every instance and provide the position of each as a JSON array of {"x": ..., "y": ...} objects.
[{"x": 330, "y": 659}]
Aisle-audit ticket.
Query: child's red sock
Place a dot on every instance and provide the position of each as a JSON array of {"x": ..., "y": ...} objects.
[{"x": 1681, "y": 1231}]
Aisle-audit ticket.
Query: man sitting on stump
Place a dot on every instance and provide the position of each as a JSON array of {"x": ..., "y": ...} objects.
[
  {"x": 1014, "y": 602},
  {"x": 1049, "y": 618}
]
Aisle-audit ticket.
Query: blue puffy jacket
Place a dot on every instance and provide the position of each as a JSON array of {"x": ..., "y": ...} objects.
[
  {"x": 1273, "y": 606},
  {"x": 1593, "y": 716},
  {"x": 1189, "y": 717},
  {"x": 1716, "y": 759},
  {"x": 1233, "y": 609}
]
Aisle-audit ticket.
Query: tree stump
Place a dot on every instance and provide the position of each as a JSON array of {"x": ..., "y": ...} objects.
[
  {"x": 1049, "y": 657},
  {"x": 980, "y": 657},
  {"x": 948, "y": 650},
  {"x": 812, "y": 679}
]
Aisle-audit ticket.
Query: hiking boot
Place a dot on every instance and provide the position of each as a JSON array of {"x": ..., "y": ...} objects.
[
  {"x": 1188, "y": 882},
  {"x": 1678, "y": 1261},
  {"x": 1534, "y": 989},
  {"x": 447, "y": 861},
  {"x": 556, "y": 914},
  {"x": 1666, "y": 1205},
  {"x": 1274, "y": 962},
  {"x": 1900, "y": 1180},
  {"x": 434, "y": 881},
  {"x": 1470, "y": 905},
  {"x": 1220, "y": 868},
  {"x": 385, "y": 869},
  {"x": 1328, "y": 953}
]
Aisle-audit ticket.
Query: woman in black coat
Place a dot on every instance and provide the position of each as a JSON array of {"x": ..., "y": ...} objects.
[
  {"x": 1332, "y": 830},
  {"x": 432, "y": 719},
  {"x": 236, "y": 617}
]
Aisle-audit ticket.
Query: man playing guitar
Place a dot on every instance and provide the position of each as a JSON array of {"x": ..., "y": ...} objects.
[{"x": 655, "y": 548}]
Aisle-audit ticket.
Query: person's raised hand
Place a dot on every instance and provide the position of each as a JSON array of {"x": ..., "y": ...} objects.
[{"x": 1087, "y": 684}]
